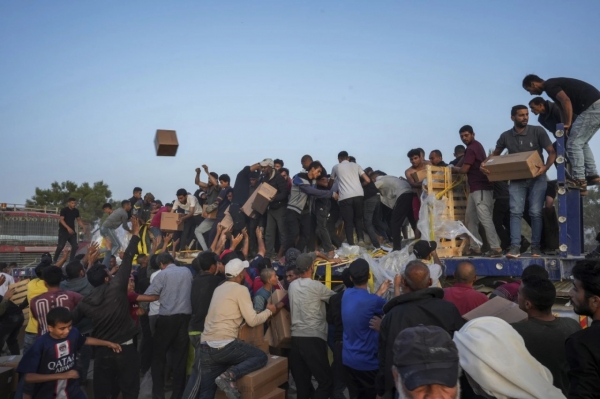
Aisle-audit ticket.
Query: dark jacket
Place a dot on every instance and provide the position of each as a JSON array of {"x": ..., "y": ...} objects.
[
  {"x": 82, "y": 286},
  {"x": 583, "y": 356},
  {"x": 410, "y": 310},
  {"x": 108, "y": 307},
  {"x": 281, "y": 198},
  {"x": 335, "y": 308},
  {"x": 551, "y": 117},
  {"x": 203, "y": 287}
]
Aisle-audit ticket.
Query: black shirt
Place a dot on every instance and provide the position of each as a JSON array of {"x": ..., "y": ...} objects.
[
  {"x": 70, "y": 216},
  {"x": 133, "y": 201},
  {"x": 551, "y": 117},
  {"x": 581, "y": 94},
  {"x": 456, "y": 160},
  {"x": 241, "y": 187},
  {"x": 442, "y": 164},
  {"x": 203, "y": 287},
  {"x": 583, "y": 356},
  {"x": 370, "y": 189},
  {"x": 545, "y": 341}
]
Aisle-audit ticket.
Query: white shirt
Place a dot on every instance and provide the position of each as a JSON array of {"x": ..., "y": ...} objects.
[
  {"x": 348, "y": 176},
  {"x": 9, "y": 281},
  {"x": 191, "y": 202},
  {"x": 391, "y": 188},
  {"x": 154, "y": 306}
]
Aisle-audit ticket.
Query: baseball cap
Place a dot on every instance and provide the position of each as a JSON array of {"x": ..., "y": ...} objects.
[
  {"x": 426, "y": 355},
  {"x": 359, "y": 269},
  {"x": 423, "y": 248},
  {"x": 290, "y": 257},
  {"x": 234, "y": 267},
  {"x": 305, "y": 261},
  {"x": 267, "y": 162}
]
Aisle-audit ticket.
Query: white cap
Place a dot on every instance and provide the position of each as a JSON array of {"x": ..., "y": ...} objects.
[
  {"x": 267, "y": 162},
  {"x": 234, "y": 267}
]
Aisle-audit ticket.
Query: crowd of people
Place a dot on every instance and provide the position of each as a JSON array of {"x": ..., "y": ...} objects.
[{"x": 144, "y": 319}]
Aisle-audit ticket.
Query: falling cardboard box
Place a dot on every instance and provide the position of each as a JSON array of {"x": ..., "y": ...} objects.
[
  {"x": 261, "y": 383},
  {"x": 521, "y": 165},
  {"x": 166, "y": 143},
  {"x": 262, "y": 197},
  {"x": 168, "y": 221},
  {"x": 498, "y": 307}
]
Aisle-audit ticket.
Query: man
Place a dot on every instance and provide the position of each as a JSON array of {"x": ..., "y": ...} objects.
[
  {"x": 335, "y": 338},
  {"x": 418, "y": 304},
  {"x": 224, "y": 358},
  {"x": 241, "y": 187},
  {"x": 321, "y": 209},
  {"x": 459, "y": 152},
  {"x": 212, "y": 192},
  {"x": 298, "y": 215},
  {"x": 35, "y": 287},
  {"x": 277, "y": 206},
  {"x": 398, "y": 195},
  {"x": 8, "y": 279},
  {"x": 305, "y": 161},
  {"x": 420, "y": 371},
  {"x": 11, "y": 321},
  {"x": 360, "y": 342},
  {"x": 480, "y": 204},
  {"x": 112, "y": 222},
  {"x": 173, "y": 287},
  {"x": 308, "y": 356},
  {"x": 462, "y": 294},
  {"x": 435, "y": 157},
  {"x": 137, "y": 195},
  {"x": 523, "y": 138},
  {"x": 155, "y": 224},
  {"x": 418, "y": 163},
  {"x": 192, "y": 215},
  {"x": 142, "y": 208},
  {"x": 108, "y": 308},
  {"x": 204, "y": 284},
  {"x": 548, "y": 113},
  {"x": 544, "y": 334},
  {"x": 574, "y": 97},
  {"x": 501, "y": 215},
  {"x": 278, "y": 164},
  {"x": 66, "y": 228},
  {"x": 351, "y": 196},
  {"x": 583, "y": 347},
  {"x": 285, "y": 172}
]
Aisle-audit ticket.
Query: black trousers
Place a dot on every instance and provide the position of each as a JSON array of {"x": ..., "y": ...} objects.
[
  {"x": 352, "y": 213},
  {"x": 501, "y": 219},
  {"x": 117, "y": 371},
  {"x": 63, "y": 238},
  {"x": 402, "y": 210},
  {"x": 363, "y": 382},
  {"x": 171, "y": 334},
  {"x": 339, "y": 373},
  {"x": 146, "y": 347},
  {"x": 334, "y": 216},
  {"x": 308, "y": 358},
  {"x": 9, "y": 332},
  {"x": 297, "y": 226},
  {"x": 188, "y": 230}
]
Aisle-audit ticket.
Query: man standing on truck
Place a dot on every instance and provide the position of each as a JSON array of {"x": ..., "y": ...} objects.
[
  {"x": 523, "y": 138},
  {"x": 66, "y": 228}
]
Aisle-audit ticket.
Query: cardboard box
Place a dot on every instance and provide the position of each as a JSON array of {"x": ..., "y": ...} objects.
[
  {"x": 264, "y": 346},
  {"x": 252, "y": 335},
  {"x": 498, "y": 307},
  {"x": 281, "y": 323},
  {"x": 166, "y": 143},
  {"x": 168, "y": 221},
  {"x": 522, "y": 165},
  {"x": 277, "y": 393},
  {"x": 247, "y": 208},
  {"x": 261, "y": 383},
  {"x": 264, "y": 195},
  {"x": 212, "y": 215}
]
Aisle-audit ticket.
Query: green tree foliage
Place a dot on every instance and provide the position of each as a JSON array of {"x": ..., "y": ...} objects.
[
  {"x": 90, "y": 198},
  {"x": 591, "y": 217}
]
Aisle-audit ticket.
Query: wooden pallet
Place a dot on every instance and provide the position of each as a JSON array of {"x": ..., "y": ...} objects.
[{"x": 440, "y": 182}]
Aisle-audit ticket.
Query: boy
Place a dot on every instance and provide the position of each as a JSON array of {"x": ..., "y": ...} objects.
[
  {"x": 50, "y": 363},
  {"x": 269, "y": 280}
]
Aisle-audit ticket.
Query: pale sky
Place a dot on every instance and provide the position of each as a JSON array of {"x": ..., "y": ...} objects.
[{"x": 85, "y": 85}]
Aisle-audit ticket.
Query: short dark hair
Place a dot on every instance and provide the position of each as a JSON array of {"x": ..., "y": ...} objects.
[
  {"x": 531, "y": 78},
  {"x": 169, "y": 204},
  {"x": 459, "y": 148},
  {"x": 535, "y": 270},
  {"x": 539, "y": 291},
  {"x": 72, "y": 199},
  {"x": 97, "y": 274},
  {"x": 231, "y": 255},
  {"x": 465, "y": 128},
  {"x": 181, "y": 191},
  {"x": 351, "y": 159},
  {"x": 264, "y": 263},
  {"x": 315, "y": 165},
  {"x": 537, "y": 101},
  {"x": 413, "y": 152},
  {"x": 52, "y": 276},
  {"x": 517, "y": 108},
  {"x": 137, "y": 190},
  {"x": 306, "y": 158},
  {"x": 588, "y": 273},
  {"x": 58, "y": 315},
  {"x": 347, "y": 280},
  {"x": 437, "y": 152},
  {"x": 107, "y": 205},
  {"x": 204, "y": 261},
  {"x": 225, "y": 177},
  {"x": 73, "y": 269},
  {"x": 421, "y": 151},
  {"x": 215, "y": 175},
  {"x": 164, "y": 258},
  {"x": 278, "y": 161},
  {"x": 343, "y": 154},
  {"x": 286, "y": 170},
  {"x": 124, "y": 202},
  {"x": 158, "y": 202}
]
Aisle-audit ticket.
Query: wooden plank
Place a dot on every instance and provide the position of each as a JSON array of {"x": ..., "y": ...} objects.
[{"x": 20, "y": 291}]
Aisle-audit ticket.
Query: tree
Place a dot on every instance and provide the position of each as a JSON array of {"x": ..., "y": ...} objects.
[
  {"x": 591, "y": 217},
  {"x": 89, "y": 198}
]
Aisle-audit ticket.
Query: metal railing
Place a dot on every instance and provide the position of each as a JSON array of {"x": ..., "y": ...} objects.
[{"x": 24, "y": 208}]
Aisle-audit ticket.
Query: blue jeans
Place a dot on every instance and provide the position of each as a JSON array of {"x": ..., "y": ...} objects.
[
  {"x": 192, "y": 389},
  {"x": 520, "y": 190},
  {"x": 237, "y": 357},
  {"x": 578, "y": 149},
  {"x": 116, "y": 244}
]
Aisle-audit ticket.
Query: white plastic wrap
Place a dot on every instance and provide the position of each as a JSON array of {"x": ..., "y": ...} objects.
[{"x": 348, "y": 250}]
